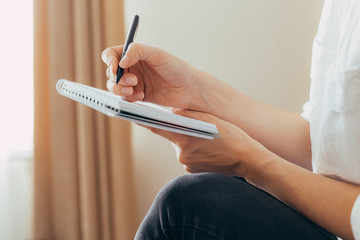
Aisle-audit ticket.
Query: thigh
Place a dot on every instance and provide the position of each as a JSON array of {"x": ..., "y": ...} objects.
[{"x": 214, "y": 206}]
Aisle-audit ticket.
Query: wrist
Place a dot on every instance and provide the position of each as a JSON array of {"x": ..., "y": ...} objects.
[
  {"x": 208, "y": 94},
  {"x": 258, "y": 161}
]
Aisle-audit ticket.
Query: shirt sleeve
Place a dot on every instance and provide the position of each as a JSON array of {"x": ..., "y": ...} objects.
[
  {"x": 306, "y": 114},
  {"x": 355, "y": 219},
  {"x": 337, "y": 128},
  {"x": 349, "y": 65}
]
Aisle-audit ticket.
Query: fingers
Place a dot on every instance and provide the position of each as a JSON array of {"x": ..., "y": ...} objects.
[
  {"x": 111, "y": 73},
  {"x": 111, "y": 57},
  {"x": 128, "y": 93},
  {"x": 128, "y": 79},
  {"x": 127, "y": 87}
]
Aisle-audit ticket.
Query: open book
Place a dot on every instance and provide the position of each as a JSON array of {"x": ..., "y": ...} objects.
[{"x": 139, "y": 112}]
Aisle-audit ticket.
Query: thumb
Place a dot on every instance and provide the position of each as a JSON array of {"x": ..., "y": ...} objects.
[
  {"x": 195, "y": 115},
  {"x": 140, "y": 52},
  {"x": 171, "y": 136}
]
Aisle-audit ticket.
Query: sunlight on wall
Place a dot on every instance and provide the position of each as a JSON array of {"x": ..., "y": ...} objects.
[{"x": 16, "y": 118}]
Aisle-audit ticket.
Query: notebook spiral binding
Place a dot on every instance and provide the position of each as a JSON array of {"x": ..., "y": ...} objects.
[{"x": 88, "y": 96}]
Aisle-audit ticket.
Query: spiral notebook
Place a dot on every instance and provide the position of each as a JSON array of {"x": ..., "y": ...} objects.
[{"x": 138, "y": 112}]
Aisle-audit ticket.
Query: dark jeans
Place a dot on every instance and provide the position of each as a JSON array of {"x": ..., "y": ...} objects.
[{"x": 213, "y": 206}]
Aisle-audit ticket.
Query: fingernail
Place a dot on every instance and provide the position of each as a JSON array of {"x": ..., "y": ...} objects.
[
  {"x": 139, "y": 95},
  {"x": 131, "y": 80},
  {"x": 126, "y": 90},
  {"x": 124, "y": 61}
]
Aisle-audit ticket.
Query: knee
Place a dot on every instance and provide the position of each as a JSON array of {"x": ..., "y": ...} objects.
[
  {"x": 181, "y": 202},
  {"x": 192, "y": 190},
  {"x": 187, "y": 184}
]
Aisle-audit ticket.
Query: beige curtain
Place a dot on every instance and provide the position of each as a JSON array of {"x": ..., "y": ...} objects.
[{"x": 82, "y": 167}]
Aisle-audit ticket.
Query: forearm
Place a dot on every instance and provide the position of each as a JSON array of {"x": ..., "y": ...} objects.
[
  {"x": 285, "y": 133},
  {"x": 325, "y": 201}
]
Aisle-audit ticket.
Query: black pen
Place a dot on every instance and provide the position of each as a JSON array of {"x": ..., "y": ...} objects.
[{"x": 129, "y": 39}]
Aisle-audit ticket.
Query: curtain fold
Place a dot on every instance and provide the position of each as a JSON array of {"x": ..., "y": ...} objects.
[{"x": 83, "y": 172}]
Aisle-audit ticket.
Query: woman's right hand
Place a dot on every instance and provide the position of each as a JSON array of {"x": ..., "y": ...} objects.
[{"x": 152, "y": 75}]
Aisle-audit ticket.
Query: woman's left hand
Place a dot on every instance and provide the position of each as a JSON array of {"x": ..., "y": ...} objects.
[{"x": 232, "y": 153}]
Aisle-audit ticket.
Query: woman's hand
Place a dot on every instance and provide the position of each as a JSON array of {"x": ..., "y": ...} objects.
[
  {"x": 152, "y": 75},
  {"x": 232, "y": 153}
]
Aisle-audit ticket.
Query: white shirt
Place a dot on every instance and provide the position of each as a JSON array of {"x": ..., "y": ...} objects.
[{"x": 333, "y": 110}]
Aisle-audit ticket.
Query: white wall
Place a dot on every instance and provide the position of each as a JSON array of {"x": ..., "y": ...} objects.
[{"x": 263, "y": 48}]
